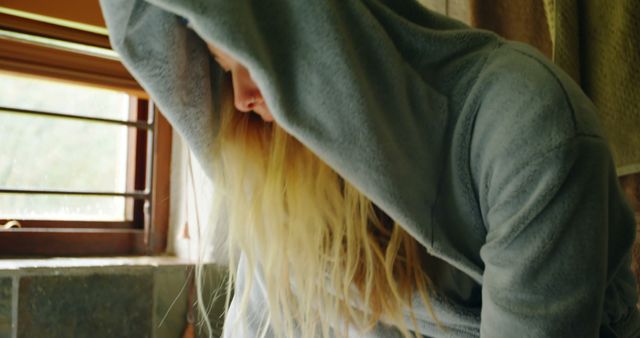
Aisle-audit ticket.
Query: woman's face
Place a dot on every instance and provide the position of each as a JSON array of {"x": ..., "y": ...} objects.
[{"x": 246, "y": 95}]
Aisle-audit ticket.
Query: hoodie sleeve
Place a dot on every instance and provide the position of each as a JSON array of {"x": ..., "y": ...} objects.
[
  {"x": 173, "y": 65},
  {"x": 546, "y": 249},
  {"x": 557, "y": 224}
]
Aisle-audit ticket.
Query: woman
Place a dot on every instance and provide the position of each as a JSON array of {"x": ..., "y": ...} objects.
[{"x": 402, "y": 174}]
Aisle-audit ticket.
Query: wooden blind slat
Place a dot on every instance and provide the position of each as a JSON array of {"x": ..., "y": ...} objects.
[
  {"x": 27, "y": 26},
  {"x": 21, "y": 57},
  {"x": 85, "y": 11}
]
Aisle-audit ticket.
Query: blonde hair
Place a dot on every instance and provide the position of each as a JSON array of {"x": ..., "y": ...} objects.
[{"x": 330, "y": 259}]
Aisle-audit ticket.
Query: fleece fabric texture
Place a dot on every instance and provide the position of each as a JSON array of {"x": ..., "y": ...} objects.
[
  {"x": 598, "y": 43},
  {"x": 487, "y": 154}
]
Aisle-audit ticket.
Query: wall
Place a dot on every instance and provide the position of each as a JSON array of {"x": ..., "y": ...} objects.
[{"x": 114, "y": 297}]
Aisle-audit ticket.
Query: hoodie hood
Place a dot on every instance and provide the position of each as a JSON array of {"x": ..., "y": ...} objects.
[{"x": 364, "y": 84}]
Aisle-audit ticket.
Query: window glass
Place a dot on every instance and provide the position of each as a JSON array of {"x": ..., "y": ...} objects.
[
  {"x": 45, "y": 153},
  {"x": 60, "y": 97},
  {"x": 63, "y": 208}
]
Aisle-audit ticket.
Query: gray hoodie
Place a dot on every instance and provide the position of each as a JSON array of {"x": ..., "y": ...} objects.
[{"x": 486, "y": 153}]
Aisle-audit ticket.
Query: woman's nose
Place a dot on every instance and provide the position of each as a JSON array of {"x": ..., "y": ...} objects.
[{"x": 246, "y": 93}]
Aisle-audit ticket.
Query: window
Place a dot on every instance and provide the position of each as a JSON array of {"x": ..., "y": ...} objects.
[
  {"x": 84, "y": 155},
  {"x": 457, "y": 9}
]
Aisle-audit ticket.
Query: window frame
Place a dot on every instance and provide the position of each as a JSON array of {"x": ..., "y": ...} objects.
[{"x": 148, "y": 167}]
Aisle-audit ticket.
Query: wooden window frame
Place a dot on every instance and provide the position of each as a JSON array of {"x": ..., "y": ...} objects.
[{"x": 148, "y": 166}]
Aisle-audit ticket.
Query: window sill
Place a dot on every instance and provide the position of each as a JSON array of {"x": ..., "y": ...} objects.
[
  {"x": 90, "y": 262},
  {"x": 24, "y": 242}
]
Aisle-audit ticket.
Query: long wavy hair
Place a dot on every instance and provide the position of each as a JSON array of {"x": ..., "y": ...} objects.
[{"x": 329, "y": 258}]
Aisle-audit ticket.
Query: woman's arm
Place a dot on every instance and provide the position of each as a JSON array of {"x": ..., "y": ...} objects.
[
  {"x": 546, "y": 255},
  {"x": 558, "y": 228}
]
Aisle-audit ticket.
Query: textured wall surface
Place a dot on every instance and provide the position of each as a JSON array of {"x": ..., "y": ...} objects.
[
  {"x": 171, "y": 294},
  {"x": 123, "y": 300},
  {"x": 94, "y": 305},
  {"x": 6, "y": 287}
]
